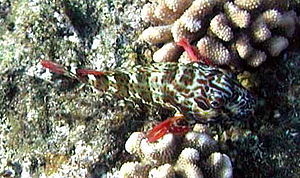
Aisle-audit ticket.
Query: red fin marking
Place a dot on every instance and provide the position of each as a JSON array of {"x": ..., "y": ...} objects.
[
  {"x": 170, "y": 125},
  {"x": 155, "y": 135},
  {"x": 179, "y": 130},
  {"x": 52, "y": 66},
  {"x": 192, "y": 52},
  {"x": 84, "y": 72},
  {"x": 158, "y": 131}
]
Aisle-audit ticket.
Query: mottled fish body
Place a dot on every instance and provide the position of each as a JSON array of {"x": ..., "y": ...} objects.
[{"x": 200, "y": 92}]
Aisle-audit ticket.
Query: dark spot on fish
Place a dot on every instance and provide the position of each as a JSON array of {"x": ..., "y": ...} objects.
[
  {"x": 206, "y": 88},
  {"x": 164, "y": 88},
  {"x": 186, "y": 90},
  {"x": 201, "y": 103},
  {"x": 188, "y": 81},
  {"x": 184, "y": 109},
  {"x": 203, "y": 82}
]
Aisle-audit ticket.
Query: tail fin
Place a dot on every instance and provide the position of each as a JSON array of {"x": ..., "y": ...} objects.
[
  {"x": 59, "y": 69},
  {"x": 54, "y": 67}
]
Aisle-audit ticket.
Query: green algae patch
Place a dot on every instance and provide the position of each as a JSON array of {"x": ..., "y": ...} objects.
[{"x": 54, "y": 162}]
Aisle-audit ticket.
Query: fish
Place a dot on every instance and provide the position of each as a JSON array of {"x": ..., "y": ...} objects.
[{"x": 200, "y": 92}]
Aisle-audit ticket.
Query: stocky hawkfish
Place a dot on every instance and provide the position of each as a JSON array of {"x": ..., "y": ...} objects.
[{"x": 199, "y": 92}]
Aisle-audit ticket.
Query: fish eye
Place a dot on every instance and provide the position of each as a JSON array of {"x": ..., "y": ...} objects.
[{"x": 215, "y": 104}]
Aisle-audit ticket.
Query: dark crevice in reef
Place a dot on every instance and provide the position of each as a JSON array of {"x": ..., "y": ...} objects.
[{"x": 84, "y": 19}]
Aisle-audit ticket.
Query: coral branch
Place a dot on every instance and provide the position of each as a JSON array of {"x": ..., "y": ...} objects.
[{"x": 220, "y": 26}]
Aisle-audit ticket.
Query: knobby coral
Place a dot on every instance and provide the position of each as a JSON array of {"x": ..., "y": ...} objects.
[
  {"x": 246, "y": 30},
  {"x": 195, "y": 155}
]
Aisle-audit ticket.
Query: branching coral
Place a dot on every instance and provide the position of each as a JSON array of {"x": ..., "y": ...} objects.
[
  {"x": 186, "y": 164},
  {"x": 195, "y": 155},
  {"x": 168, "y": 53},
  {"x": 248, "y": 5},
  {"x": 133, "y": 169},
  {"x": 154, "y": 153},
  {"x": 219, "y": 26},
  {"x": 219, "y": 165},
  {"x": 248, "y": 28},
  {"x": 238, "y": 17},
  {"x": 202, "y": 142},
  {"x": 163, "y": 171},
  {"x": 214, "y": 50}
]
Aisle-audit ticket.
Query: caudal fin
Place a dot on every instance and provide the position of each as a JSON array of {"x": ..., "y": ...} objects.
[
  {"x": 59, "y": 69},
  {"x": 54, "y": 67}
]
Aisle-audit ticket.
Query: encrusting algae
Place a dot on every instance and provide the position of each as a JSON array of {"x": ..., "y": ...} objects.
[{"x": 241, "y": 27}]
